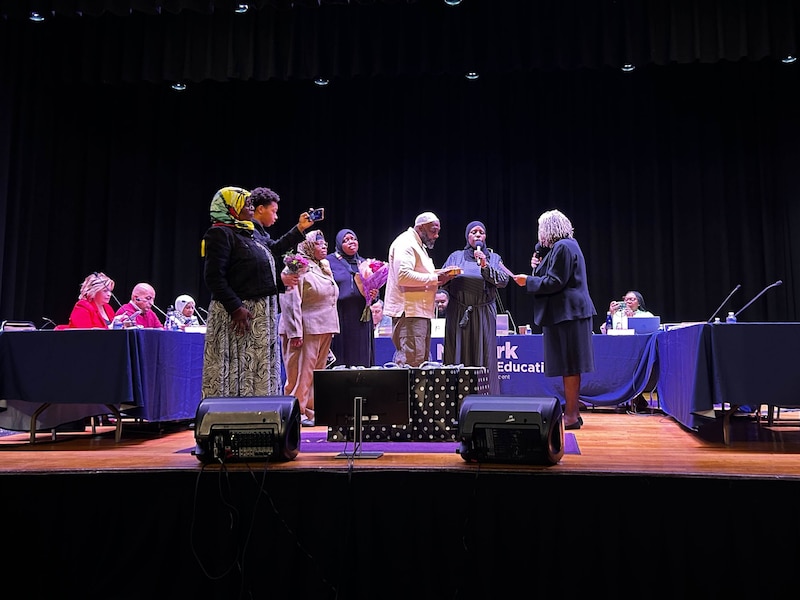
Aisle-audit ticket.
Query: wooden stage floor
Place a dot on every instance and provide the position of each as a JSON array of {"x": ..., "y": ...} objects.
[
  {"x": 647, "y": 509},
  {"x": 610, "y": 443}
]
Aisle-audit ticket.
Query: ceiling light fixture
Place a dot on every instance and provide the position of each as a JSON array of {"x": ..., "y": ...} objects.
[
  {"x": 321, "y": 81},
  {"x": 36, "y": 16},
  {"x": 472, "y": 75},
  {"x": 628, "y": 67},
  {"x": 452, "y": 2},
  {"x": 241, "y": 8},
  {"x": 789, "y": 59},
  {"x": 178, "y": 86}
]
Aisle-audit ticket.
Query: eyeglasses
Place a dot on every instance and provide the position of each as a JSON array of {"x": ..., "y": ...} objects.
[{"x": 630, "y": 299}]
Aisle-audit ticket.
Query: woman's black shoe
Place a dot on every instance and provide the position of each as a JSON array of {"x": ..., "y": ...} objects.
[{"x": 576, "y": 425}]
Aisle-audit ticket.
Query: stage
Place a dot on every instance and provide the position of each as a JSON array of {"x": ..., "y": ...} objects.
[{"x": 647, "y": 506}]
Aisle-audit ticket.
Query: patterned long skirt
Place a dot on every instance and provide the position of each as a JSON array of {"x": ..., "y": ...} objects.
[{"x": 247, "y": 365}]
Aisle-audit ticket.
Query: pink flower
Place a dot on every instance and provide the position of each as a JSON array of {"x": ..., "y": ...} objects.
[
  {"x": 295, "y": 263},
  {"x": 372, "y": 275}
]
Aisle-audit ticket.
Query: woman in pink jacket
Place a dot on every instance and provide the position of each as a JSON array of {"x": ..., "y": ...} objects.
[{"x": 308, "y": 322}]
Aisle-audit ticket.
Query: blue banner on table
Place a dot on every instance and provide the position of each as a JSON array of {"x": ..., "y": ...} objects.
[{"x": 624, "y": 367}]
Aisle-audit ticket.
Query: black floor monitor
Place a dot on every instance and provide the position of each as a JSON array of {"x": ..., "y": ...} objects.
[
  {"x": 255, "y": 428},
  {"x": 511, "y": 429}
]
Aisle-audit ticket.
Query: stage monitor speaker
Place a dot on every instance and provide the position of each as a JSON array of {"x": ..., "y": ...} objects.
[
  {"x": 511, "y": 429},
  {"x": 240, "y": 429}
]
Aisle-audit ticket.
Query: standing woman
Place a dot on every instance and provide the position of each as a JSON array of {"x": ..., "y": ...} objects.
[
  {"x": 355, "y": 345},
  {"x": 308, "y": 323},
  {"x": 470, "y": 334},
  {"x": 92, "y": 310},
  {"x": 562, "y": 307},
  {"x": 241, "y": 356}
]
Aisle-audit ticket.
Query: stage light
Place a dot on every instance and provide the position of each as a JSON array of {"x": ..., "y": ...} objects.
[
  {"x": 452, "y": 2},
  {"x": 628, "y": 67},
  {"x": 241, "y": 8},
  {"x": 472, "y": 75},
  {"x": 789, "y": 59},
  {"x": 36, "y": 16},
  {"x": 178, "y": 86},
  {"x": 321, "y": 81}
]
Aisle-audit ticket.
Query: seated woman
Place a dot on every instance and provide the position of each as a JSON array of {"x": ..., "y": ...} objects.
[
  {"x": 184, "y": 309},
  {"x": 92, "y": 310},
  {"x": 632, "y": 304}
]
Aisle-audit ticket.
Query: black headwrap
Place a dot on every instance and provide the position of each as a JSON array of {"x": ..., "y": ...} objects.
[
  {"x": 470, "y": 227},
  {"x": 640, "y": 299},
  {"x": 352, "y": 261}
]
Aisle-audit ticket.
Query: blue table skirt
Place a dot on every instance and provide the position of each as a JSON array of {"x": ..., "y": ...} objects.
[
  {"x": 623, "y": 367},
  {"x": 150, "y": 373}
]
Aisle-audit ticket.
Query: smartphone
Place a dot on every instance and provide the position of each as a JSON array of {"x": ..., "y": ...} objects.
[{"x": 316, "y": 214}]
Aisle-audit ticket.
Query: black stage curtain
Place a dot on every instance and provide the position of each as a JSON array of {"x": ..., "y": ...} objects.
[{"x": 681, "y": 177}]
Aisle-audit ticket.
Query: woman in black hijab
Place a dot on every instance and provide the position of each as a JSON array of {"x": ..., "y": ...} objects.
[
  {"x": 355, "y": 345},
  {"x": 470, "y": 337}
]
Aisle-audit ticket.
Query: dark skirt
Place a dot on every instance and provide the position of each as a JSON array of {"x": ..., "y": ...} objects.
[{"x": 568, "y": 348}]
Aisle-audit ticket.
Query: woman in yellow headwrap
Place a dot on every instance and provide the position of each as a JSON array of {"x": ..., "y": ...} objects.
[{"x": 241, "y": 355}]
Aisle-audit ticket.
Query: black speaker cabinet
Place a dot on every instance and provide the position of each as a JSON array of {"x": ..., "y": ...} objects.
[
  {"x": 240, "y": 429},
  {"x": 511, "y": 429}
]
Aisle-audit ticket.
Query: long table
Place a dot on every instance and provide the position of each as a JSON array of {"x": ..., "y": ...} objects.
[
  {"x": 710, "y": 366},
  {"x": 48, "y": 378},
  {"x": 156, "y": 375},
  {"x": 624, "y": 365}
]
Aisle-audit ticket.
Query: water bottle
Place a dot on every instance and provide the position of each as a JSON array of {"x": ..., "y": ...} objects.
[
  {"x": 609, "y": 322},
  {"x": 620, "y": 320},
  {"x": 172, "y": 322},
  {"x": 731, "y": 318}
]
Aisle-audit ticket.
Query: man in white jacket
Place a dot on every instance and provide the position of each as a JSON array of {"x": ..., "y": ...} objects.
[{"x": 411, "y": 288}]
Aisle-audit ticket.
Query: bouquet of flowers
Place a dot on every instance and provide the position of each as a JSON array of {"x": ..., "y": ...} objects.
[
  {"x": 295, "y": 263},
  {"x": 372, "y": 275}
]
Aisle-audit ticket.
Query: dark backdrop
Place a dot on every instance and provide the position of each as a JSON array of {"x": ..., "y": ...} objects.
[{"x": 681, "y": 177}]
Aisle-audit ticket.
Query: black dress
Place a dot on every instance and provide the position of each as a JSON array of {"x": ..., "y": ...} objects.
[
  {"x": 470, "y": 337},
  {"x": 355, "y": 345}
]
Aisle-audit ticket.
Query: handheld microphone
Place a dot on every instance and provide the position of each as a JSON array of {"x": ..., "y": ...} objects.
[
  {"x": 540, "y": 251},
  {"x": 50, "y": 321},
  {"x": 771, "y": 285},
  {"x": 478, "y": 249},
  {"x": 733, "y": 291}
]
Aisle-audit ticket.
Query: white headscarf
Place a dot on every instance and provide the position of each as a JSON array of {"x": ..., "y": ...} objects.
[{"x": 181, "y": 301}]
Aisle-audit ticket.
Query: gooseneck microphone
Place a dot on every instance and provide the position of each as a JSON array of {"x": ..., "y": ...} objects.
[
  {"x": 771, "y": 285},
  {"x": 49, "y": 321},
  {"x": 163, "y": 314},
  {"x": 733, "y": 291}
]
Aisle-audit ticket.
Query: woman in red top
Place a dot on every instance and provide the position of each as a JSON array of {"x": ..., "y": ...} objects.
[{"x": 92, "y": 310}]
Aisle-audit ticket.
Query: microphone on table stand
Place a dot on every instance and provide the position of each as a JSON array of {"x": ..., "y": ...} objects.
[
  {"x": 771, "y": 285},
  {"x": 48, "y": 321},
  {"x": 733, "y": 291},
  {"x": 199, "y": 316},
  {"x": 119, "y": 304},
  {"x": 163, "y": 314}
]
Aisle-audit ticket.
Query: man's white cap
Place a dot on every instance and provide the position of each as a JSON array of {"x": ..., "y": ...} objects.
[{"x": 426, "y": 217}]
